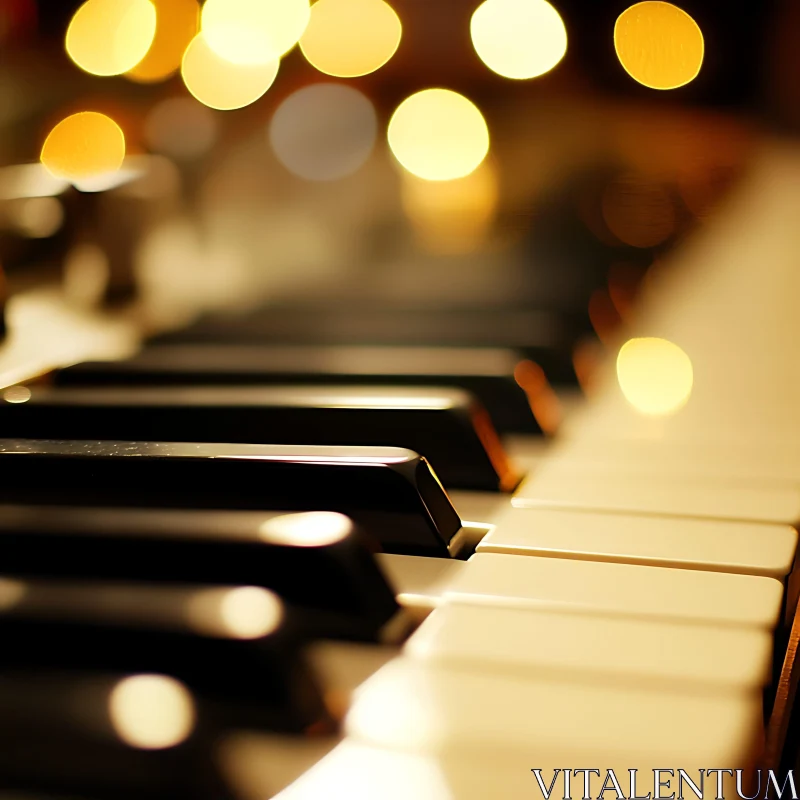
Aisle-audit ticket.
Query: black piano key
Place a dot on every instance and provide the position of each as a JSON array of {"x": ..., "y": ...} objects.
[
  {"x": 447, "y": 426},
  {"x": 318, "y": 562},
  {"x": 542, "y": 334},
  {"x": 489, "y": 373},
  {"x": 237, "y": 648},
  {"x": 392, "y": 493},
  {"x": 79, "y": 736}
]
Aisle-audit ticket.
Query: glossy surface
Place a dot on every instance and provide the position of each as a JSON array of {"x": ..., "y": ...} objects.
[
  {"x": 392, "y": 493},
  {"x": 447, "y": 426}
]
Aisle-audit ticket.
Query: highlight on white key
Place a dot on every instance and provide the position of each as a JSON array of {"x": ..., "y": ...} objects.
[{"x": 655, "y": 376}]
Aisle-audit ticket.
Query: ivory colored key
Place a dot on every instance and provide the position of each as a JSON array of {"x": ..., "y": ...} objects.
[
  {"x": 358, "y": 771},
  {"x": 746, "y": 547},
  {"x": 425, "y": 708},
  {"x": 556, "y": 644},
  {"x": 621, "y": 589},
  {"x": 595, "y": 490}
]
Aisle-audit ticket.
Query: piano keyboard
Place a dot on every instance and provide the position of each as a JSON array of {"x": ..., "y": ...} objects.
[{"x": 629, "y": 605}]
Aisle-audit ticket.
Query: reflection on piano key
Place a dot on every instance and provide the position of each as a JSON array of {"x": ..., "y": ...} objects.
[
  {"x": 486, "y": 372},
  {"x": 236, "y": 648},
  {"x": 628, "y": 590},
  {"x": 317, "y": 561},
  {"x": 448, "y": 426},
  {"x": 105, "y": 737},
  {"x": 392, "y": 493}
]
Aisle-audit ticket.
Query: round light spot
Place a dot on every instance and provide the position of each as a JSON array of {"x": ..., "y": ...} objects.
[
  {"x": 309, "y": 529},
  {"x": 659, "y": 45},
  {"x": 638, "y": 211},
  {"x": 324, "y": 132},
  {"x": 518, "y": 38},
  {"x": 439, "y": 135},
  {"x": 655, "y": 376},
  {"x": 247, "y": 612},
  {"x": 346, "y": 38},
  {"x": 177, "y": 23},
  {"x": 84, "y": 145},
  {"x": 109, "y": 37},
  {"x": 17, "y": 394},
  {"x": 37, "y": 217},
  {"x": 254, "y": 31},
  {"x": 220, "y": 84},
  {"x": 151, "y": 712},
  {"x": 11, "y": 591},
  {"x": 181, "y": 128}
]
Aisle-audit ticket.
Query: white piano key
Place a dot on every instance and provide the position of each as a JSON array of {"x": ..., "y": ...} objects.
[
  {"x": 357, "y": 771},
  {"x": 623, "y": 589},
  {"x": 419, "y": 582},
  {"x": 557, "y": 644},
  {"x": 419, "y": 707},
  {"x": 725, "y": 546},
  {"x": 595, "y": 490}
]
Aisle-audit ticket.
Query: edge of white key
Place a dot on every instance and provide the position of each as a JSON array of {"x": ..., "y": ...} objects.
[{"x": 728, "y": 546}]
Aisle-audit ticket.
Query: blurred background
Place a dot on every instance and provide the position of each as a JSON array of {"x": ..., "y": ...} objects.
[{"x": 517, "y": 165}]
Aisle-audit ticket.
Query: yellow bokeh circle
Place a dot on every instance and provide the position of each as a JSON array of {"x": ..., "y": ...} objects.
[
  {"x": 659, "y": 45},
  {"x": 347, "y": 38},
  {"x": 84, "y": 145},
  {"x": 655, "y": 376},
  {"x": 109, "y": 37},
  {"x": 438, "y": 135},
  {"x": 518, "y": 38}
]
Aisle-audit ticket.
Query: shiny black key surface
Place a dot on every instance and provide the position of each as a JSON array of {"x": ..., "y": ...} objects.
[
  {"x": 489, "y": 373},
  {"x": 318, "y": 562},
  {"x": 447, "y": 426},
  {"x": 392, "y": 493},
  {"x": 239, "y": 649},
  {"x": 84, "y": 736}
]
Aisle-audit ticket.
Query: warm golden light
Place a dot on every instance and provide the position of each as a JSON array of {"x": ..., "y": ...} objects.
[
  {"x": 659, "y": 45},
  {"x": 452, "y": 217},
  {"x": 308, "y": 529},
  {"x": 347, "y": 38},
  {"x": 518, "y": 38},
  {"x": 151, "y": 712},
  {"x": 324, "y": 132},
  {"x": 109, "y": 37},
  {"x": 220, "y": 84},
  {"x": 438, "y": 135},
  {"x": 84, "y": 145},
  {"x": 177, "y": 23},
  {"x": 655, "y": 376},
  {"x": 254, "y": 31},
  {"x": 17, "y": 394},
  {"x": 247, "y": 612},
  {"x": 11, "y": 591}
]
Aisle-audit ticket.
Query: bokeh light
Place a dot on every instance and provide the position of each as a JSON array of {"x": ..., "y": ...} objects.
[
  {"x": 347, "y": 38},
  {"x": 254, "y": 31},
  {"x": 655, "y": 376},
  {"x": 518, "y": 38},
  {"x": 452, "y": 217},
  {"x": 151, "y": 712},
  {"x": 84, "y": 145},
  {"x": 308, "y": 529},
  {"x": 181, "y": 128},
  {"x": 438, "y": 135},
  {"x": 659, "y": 45},
  {"x": 638, "y": 211},
  {"x": 177, "y": 23},
  {"x": 109, "y": 37},
  {"x": 220, "y": 84},
  {"x": 324, "y": 132}
]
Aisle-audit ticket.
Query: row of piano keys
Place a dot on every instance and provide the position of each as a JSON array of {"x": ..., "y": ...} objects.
[{"x": 626, "y": 605}]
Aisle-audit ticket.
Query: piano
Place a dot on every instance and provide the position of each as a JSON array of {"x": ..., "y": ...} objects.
[{"x": 329, "y": 542}]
